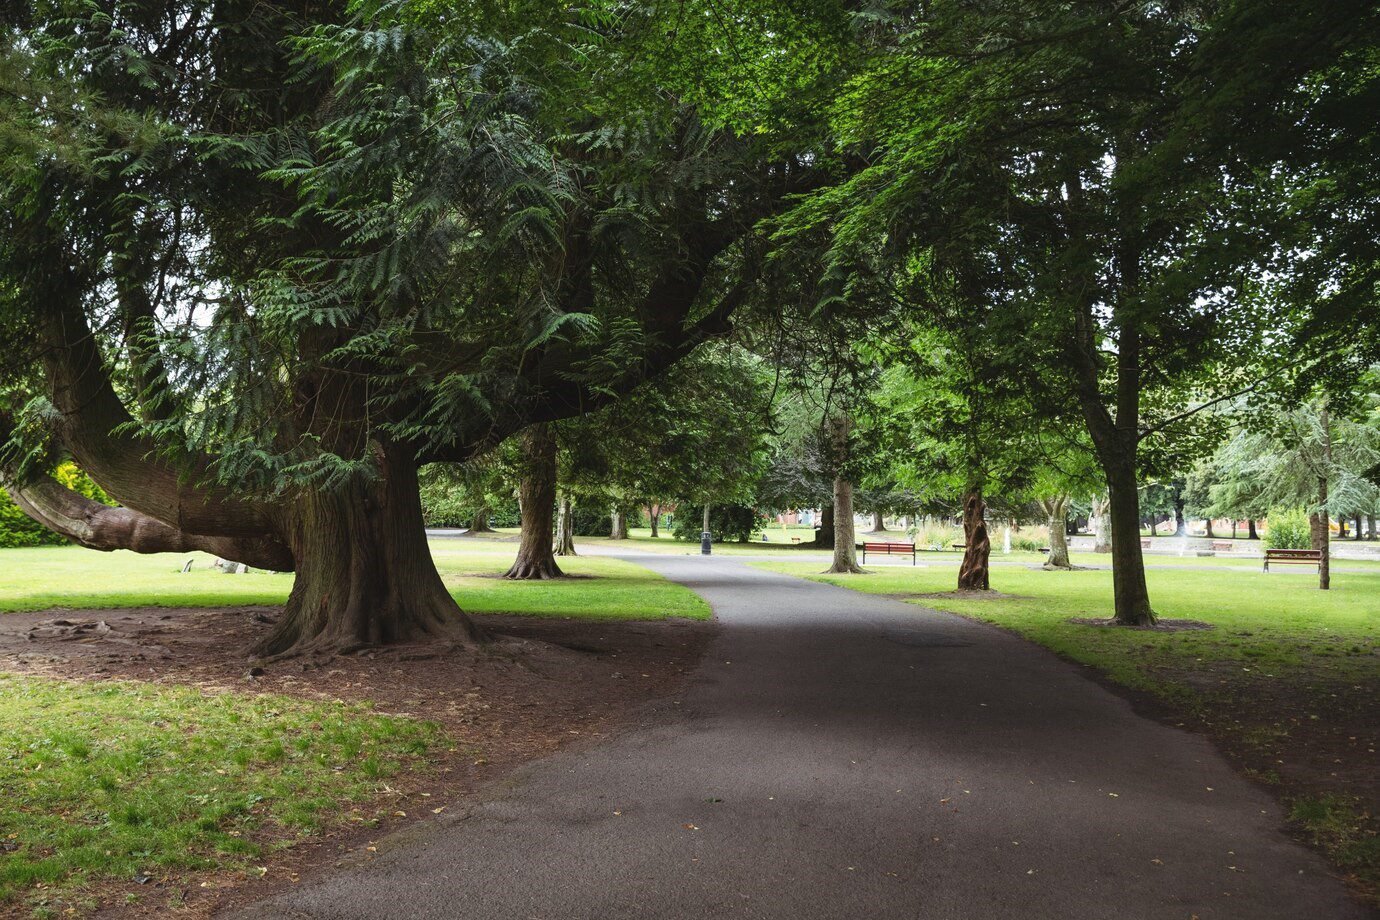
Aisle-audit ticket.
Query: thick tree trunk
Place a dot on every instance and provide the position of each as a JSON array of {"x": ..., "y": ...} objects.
[
  {"x": 1250, "y": 530},
  {"x": 481, "y": 521},
  {"x": 973, "y": 572},
  {"x": 536, "y": 497},
  {"x": 878, "y": 522},
  {"x": 1058, "y": 510},
  {"x": 824, "y": 537},
  {"x": 1208, "y": 523},
  {"x": 1132, "y": 597},
  {"x": 845, "y": 549},
  {"x": 565, "y": 527},
  {"x": 654, "y": 515},
  {"x": 1359, "y": 528},
  {"x": 618, "y": 521},
  {"x": 364, "y": 572},
  {"x": 1370, "y": 527}
]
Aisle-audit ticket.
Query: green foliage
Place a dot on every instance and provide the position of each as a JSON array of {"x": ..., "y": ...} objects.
[
  {"x": 727, "y": 523},
  {"x": 18, "y": 529},
  {"x": 1287, "y": 528}
]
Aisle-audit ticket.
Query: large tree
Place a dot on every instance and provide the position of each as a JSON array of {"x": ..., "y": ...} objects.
[{"x": 261, "y": 261}]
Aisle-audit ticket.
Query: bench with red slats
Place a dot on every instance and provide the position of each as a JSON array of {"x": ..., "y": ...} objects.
[
  {"x": 888, "y": 549},
  {"x": 1293, "y": 557}
]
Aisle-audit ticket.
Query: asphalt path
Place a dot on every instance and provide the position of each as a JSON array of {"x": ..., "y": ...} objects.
[{"x": 848, "y": 756}]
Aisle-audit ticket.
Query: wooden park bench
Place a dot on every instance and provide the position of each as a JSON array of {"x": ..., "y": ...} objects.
[
  {"x": 888, "y": 549},
  {"x": 1293, "y": 557},
  {"x": 1221, "y": 547},
  {"x": 1144, "y": 542},
  {"x": 958, "y": 547}
]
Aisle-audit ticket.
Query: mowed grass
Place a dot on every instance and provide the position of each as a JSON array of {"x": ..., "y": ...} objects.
[
  {"x": 72, "y": 577},
  {"x": 132, "y": 782},
  {"x": 1277, "y": 622}
]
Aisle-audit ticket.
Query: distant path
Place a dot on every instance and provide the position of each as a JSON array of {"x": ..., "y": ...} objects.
[{"x": 847, "y": 756}]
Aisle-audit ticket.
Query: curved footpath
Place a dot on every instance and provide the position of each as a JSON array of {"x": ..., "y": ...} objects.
[{"x": 846, "y": 756}]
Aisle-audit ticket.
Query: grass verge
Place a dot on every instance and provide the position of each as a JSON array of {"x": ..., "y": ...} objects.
[{"x": 122, "y": 781}]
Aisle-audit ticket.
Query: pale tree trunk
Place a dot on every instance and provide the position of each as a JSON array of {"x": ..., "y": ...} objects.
[
  {"x": 973, "y": 572},
  {"x": 878, "y": 523},
  {"x": 619, "y": 521},
  {"x": 1323, "y": 536},
  {"x": 654, "y": 515},
  {"x": 537, "y": 497},
  {"x": 1058, "y": 510},
  {"x": 565, "y": 527},
  {"x": 1101, "y": 526},
  {"x": 845, "y": 549}
]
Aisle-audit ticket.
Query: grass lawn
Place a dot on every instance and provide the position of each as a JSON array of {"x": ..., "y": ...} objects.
[
  {"x": 129, "y": 781},
  {"x": 69, "y": 576},
  {"x": 1286, "y": 681}
]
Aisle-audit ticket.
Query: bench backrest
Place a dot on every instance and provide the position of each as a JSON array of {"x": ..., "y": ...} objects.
[
  {"x": 1293, "y": 554},
  {"x": 889, "y": 547}
]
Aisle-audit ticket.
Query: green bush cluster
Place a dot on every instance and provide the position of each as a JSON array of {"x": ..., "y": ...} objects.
[
  {"x": 18, "y": 529},
  {"x": 727, "y": 523},
  {"x": 1287, "y": 528}
]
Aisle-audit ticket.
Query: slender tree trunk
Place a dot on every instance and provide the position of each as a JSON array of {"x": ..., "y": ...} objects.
[
  {"x": 1208, "y": 522},
  {"x": 365, "y": 575},
  {"x": 845, "y": 549},
  {"x": 481, "y": 521},
  {"x": 1058, "y": 511},
  {"x": 654, "y": 515},
  {"x": 878, "y": 523},
  {"x": 619, "y": 521},
  {"x": 1250, "y": 530},
  {"x": 1359, "y": 529},
  {"x": 537, "y": 497},
  {"x": 1370, "y": 527},
  {"x": 1128, "y": 564},
  {"x": 1180, "y": 522},
  {"x": 1324, "y": 533},
  {"x": 973, "y": 572},
  {"x": 565, "y": 527},
  {"x": 1233, "y": 528}
]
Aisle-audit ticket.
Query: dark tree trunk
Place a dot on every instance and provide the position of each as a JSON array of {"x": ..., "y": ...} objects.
[
  {"x": 845, "y": 549},
  {"x": 565, "y": 527},
  {"x": 481, "y": 521},
  {"x": 365, "y": 575},
  {"x": 537, "y": 497},
  {"x": 1128, "y": 565},
  {"x": 1208, "y": 523},
  {"x": 1058, "y": 510},
  {"x": 824, "y": 537},
  {"x": 1250, "y": 530},
  {"x": 1180, "y": 524},
  {"x": 1322, "y": 535},
  {"x": 1359, "y": 529},
  {"x": 878, "y": 522},
  {"x": 973, "y": 572},
  {"x": 618, "y": 529},
  {"x": 1370, "y": 527}
]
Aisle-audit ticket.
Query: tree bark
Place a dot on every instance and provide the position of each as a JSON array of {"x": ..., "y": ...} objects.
[
  {"x": 878, "y": 522},
  {"x": 537, "y": 497},
  {"x": 1101, "y": 526},
  {"x": 1370, "y": 527},
  {"x": 1250, "y": 530},
  {"x": 824, "y": 536},
  {"x": 1058, "y": 510},
  {"x": 481, "y": 521},
  {"x": 565, "y": 527},
  {"x": 365, "y": 575},
  {"x": 654, "y": 515},
  {"x": 845, "y": 549},
  {"x": 1208, "y": 523},
  {"x": 1324, "y": 536},
  {"x": 1180, "y": 523},
  {"x": 618, "y": 529},
  {"x": 1132, "y": 597},
  {"x": 973, "y": 572},
  {"x": 1359, "y": 528}
]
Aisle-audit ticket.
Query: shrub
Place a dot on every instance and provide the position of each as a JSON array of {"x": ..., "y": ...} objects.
[
  {"x": 726, "y": 522},
  {"x": 1287, "y": 528},
  {"x": 18, "y": 529}
]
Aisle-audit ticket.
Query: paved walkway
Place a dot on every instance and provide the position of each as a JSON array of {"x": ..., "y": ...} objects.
[{"x": 846, "y": 756}]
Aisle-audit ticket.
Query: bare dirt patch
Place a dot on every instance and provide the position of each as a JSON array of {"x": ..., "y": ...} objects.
[
  {"x": 958, "y": 594},
  {"x": 546, "y": 683},
  {"x": 1158, "y": 626}
]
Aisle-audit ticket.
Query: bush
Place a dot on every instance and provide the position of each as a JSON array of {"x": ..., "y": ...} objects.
[
  {"x": 592, "y": 518},
  {"x": 18, "y": 529},
  {"x": 736, "y": 523},
  {"x": 1287, "y": 528}
]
